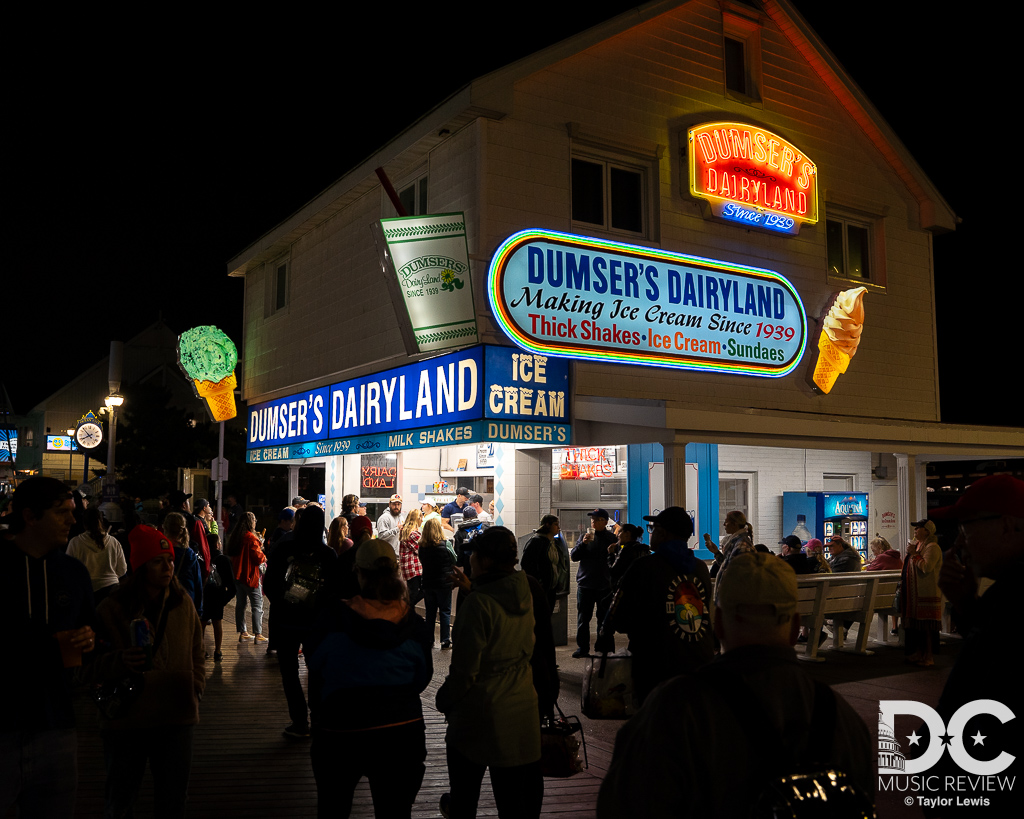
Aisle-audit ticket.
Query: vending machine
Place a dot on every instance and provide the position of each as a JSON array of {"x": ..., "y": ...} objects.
[{"x": 825, "y": 514}]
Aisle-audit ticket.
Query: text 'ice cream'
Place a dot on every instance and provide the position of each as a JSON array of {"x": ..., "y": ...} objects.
[
  {"x": 208, "y": 357},
  {"x": 840, "y": 336}
]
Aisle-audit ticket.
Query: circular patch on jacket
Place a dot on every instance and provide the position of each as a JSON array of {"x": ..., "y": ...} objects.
[{"x": 685, "y": 606}]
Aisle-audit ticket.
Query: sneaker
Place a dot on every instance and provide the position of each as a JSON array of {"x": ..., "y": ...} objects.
[
  {"x": 296, "y": 731},
  {"x": 260, "y": 639},
  {"x": 218, "y": 656},
  {"x": 446, "y": 645},
  {"x": 208, "y": 655},
  {"x": 580, "y": 654},
  {"x": 445, "y": 804}
]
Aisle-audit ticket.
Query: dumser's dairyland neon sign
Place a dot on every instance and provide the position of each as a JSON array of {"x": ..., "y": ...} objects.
[
  {"x": 578, "y": 297},
  {"x": 753, "y": 177}
]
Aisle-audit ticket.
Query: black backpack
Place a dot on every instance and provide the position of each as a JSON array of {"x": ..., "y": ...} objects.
[{"x": 303, "y": 580}]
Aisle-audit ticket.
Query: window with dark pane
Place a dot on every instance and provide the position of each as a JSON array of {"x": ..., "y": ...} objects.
[
  {"x": 836, "y": 251},
  {"x": 858, "y": 252},
  {"x": 587, "y": 192},
  {"x": 735, "y": 66},
  {"x": 281, "y": 286},
  {"x": 408, "y": 199},
  {"x": 626, "y": 200}
]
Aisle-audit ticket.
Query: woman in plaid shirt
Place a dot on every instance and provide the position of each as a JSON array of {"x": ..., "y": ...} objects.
[{"x": 409, "y": 544}]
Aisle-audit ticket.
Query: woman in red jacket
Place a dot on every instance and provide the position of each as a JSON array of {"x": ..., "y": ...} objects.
[{"x": 248, "y": 561}]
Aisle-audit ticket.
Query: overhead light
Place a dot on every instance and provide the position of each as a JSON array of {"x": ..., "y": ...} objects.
[{"x": 114, "y": 400}]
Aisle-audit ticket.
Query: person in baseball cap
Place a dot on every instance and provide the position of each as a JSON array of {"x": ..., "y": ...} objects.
[{"x": 990, "y": 521}]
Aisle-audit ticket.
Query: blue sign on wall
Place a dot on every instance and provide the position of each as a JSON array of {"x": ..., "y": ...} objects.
[{"x": 443, "y": 393}]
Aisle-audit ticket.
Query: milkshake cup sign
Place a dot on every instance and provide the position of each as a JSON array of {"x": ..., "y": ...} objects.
[
  {"x": 425, "y": 260},
  {"x": 208, "y": 357}
]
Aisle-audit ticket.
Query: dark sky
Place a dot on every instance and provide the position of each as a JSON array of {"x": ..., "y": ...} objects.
[{"x": 138, "y": 163}]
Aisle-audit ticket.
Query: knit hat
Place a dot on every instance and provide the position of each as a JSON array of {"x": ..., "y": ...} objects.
[{"x": 147, "y": 543}]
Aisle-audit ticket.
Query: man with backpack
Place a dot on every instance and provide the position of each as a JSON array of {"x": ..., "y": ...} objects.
[
  {"x": 297, "y": 573},
  {"x": 722, "y": 736}
]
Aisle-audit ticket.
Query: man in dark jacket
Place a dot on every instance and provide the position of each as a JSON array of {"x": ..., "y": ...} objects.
[
  {"x": 791, "y": 553},
  {"x": 47, "y": 608},
  {"x": 990, "y": 518},
  {"x": 664, "y": 605},
  {"x": 297, "y": 573},
  {"x": 718, "y": 734},
  {"x": 593, "y": 580}
]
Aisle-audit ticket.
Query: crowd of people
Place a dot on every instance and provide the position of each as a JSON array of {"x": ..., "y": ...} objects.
[{"x": 710, "y": 649}]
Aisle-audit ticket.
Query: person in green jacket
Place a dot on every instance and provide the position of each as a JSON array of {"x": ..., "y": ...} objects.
[{"x": 488, "y": 698}]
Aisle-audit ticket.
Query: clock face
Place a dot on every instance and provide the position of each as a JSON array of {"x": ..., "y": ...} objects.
[{"x": 89, "y": 435}]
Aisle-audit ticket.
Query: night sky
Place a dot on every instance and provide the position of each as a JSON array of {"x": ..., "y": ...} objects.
[{"x": 138, "y": 164}]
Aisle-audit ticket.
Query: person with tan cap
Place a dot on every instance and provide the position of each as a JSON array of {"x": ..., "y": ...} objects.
[
  {"x": 751, "y": 709},
  {"x": 389, "y": 524}
]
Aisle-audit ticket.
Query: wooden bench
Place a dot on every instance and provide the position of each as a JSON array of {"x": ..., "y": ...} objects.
[{"x": 844, "y": 596}]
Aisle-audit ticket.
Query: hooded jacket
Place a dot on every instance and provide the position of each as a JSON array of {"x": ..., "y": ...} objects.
[
  {"x": 42, "y": 595},
  {"x": 106, "y": 564},
  {"x": 663, "y": 603},
  {"x": 488, "y": 698},
  {"x": 371, "y": 660}
]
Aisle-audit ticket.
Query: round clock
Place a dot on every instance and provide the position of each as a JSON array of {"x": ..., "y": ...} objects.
[{"x": 89, "y": 435}]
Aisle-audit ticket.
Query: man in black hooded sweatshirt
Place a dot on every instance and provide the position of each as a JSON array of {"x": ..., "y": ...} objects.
[{"x": 47, "y": 605}]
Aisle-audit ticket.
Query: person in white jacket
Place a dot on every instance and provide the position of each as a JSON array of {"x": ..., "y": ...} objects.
[{"x": 101, "y": 554}]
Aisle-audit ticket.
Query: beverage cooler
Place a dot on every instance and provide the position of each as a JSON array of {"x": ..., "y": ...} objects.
[{"x": 825, "y": 514}]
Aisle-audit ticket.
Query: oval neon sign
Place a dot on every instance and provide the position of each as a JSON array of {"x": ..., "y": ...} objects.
[
  {"x": 577, "y": 297},
  {"x": 752, "y": 176}
]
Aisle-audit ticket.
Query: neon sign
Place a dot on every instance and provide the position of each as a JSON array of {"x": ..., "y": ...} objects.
[
  {"x": 752, "y": 176},
  {"x": 577, "y": 297}
]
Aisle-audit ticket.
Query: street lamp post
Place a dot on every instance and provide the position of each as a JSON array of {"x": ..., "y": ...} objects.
[
  {"x": 71, "y": 450},
  {"x": 113, "y": 401}
]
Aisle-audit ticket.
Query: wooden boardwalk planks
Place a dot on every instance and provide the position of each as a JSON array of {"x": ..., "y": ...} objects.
[{"x": 242, "y": 765}]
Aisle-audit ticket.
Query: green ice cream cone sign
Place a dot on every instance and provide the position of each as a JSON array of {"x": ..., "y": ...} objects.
[{"x": 208, "y": 357}]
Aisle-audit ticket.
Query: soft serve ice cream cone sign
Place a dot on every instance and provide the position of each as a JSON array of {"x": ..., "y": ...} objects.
[
  {"x": 208, "y": 357},
  {"x": 839, "y": 337}
]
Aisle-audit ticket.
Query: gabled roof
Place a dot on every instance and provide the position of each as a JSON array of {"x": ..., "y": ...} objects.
[{"x": 491, "y": 95}]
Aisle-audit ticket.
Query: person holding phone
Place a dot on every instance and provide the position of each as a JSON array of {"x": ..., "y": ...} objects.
[{"x": 159, "y": 724}]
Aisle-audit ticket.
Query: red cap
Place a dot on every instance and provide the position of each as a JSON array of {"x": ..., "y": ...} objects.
[
  {"x": 995, "y": 494},
  {"x": 359, "y": 524}
]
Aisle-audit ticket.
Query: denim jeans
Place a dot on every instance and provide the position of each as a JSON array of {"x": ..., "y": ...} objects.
[
  {"x": 168, "y": 749},
  {"x": 391, "y": 758},
  {"x": 586, "y": 601},
  {"x": 39, "y": 772},
  {"x": 287, "y": 642},
  {"x": 255, "y": 597},
  {"x": 439, "y": 601}
]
